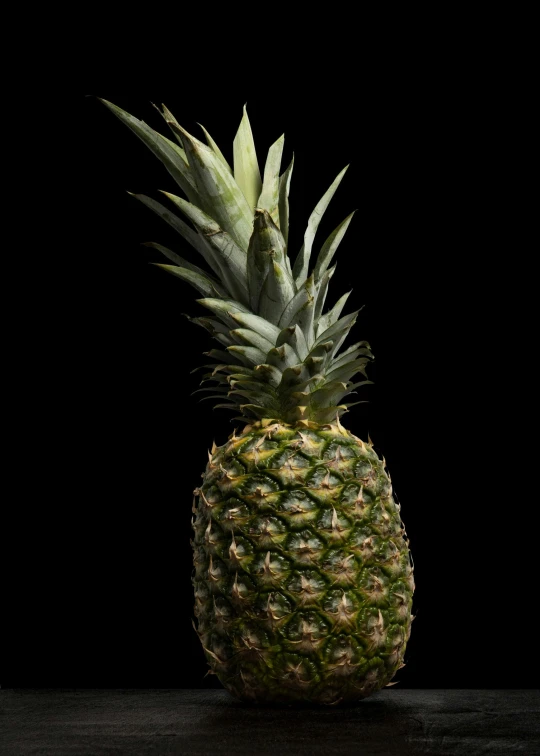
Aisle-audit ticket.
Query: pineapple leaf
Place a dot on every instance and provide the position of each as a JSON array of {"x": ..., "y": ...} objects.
[
  {"x": 223, "y": 308},
  {"x": 350, "y": 357},
  {"x": 323, "y": 291},
  {"x": 196, "y": 241},
  {"x": 256, "y": 410},
  {"x": 246, "y": 166},
  {"x": 329, "y": 394},
  {"x": 338, "y": 328},
  {"x": 266, "y": 245},
  {"x": 297, "y": 303},
  {"x": 198, "y": 280},
  {"x": 231, "y": 258},
  {"x": 257, "y": 324},
  {"x": 294, "y": 337},
  {"x": 346, "y": 372},
  {"x": 301, "y": 265},
  {"x": 252, "y": 354},
  {"x": 251, "y": 338},
  {"x": 282, "y": 357},
  {"x": 178, "y": 260},
  {"x": 304, "y": 316},
  {"x": 219, "y": 193},
  {"x": 224, "y": 340},
  {"x": 168, "y": 117},
  {"x": 216, "y": 149},
  {"x": 331, "y": 317},
  {"x": 284, "y": 188},
  {"x": 330, "y": 246},
  {"x": 277, "y": 292},
  {"x": 162, "y": 149},
  {"x": 269, "y": 374},
  {"x": 269, "y": 199}
]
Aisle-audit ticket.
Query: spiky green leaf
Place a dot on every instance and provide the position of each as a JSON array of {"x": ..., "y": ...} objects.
[
  {"x": 276, "y": 294},
  {"x": 246, "y": 166},
  {"x": 346, "y": 372},
  {"x": 211, "y": 143},
  {"x": 269, "y": 199},
  {"x": 294, "y": 337},
  {"x": 194, "y": 239},
  {"x": 257, "y": 324},
  {"x": 323, "y": 291},
  {"x": 232, "y": 260},
  {"x": 179, "y": 260},
  {"x": 247, "y": 336},
  {"x": 254, "y": 355},
  {"x": 198, "y": 280},
  {"x": 301, "y": 265},
  {"x": 266, "y": 245},
  {"x": 284, "y": 189},
  {"x": 330, "y": 246},
  {"x": 220, "y": 195},
  {"x": 223, "y": 308},
  {"x": 161, "y": 148}
]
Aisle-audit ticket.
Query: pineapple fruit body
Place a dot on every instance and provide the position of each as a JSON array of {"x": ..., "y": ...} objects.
[{"x": 303, "y": 581}]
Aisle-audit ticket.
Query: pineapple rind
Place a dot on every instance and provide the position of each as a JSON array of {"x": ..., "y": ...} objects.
[{"x": 303, "y": 579}]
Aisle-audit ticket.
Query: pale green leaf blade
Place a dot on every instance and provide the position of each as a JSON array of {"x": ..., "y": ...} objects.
[
  {"x": 297, "y": 303},
  {"x": 246, "y": 167},
  {"x": 162, "y": 149},
  {"x": 302, "y": 314},
  {"x": 196, "y": 241},
  {"x": 257, "y": 411},
  {"x": 269, "y": 199},
  {"x": 179, "y": 260},
  {"x": 282, "y": 357},
  {"x": 179, "y": 151},
  {"x": 214, "y": 146},
  {"x": 266, "y": 244},
  {"x": 336, "y": 329},
  {"x": 252, "y": 354},
  {"x": 168, "y": 117},
  {"x": 220, "y": 195},
  {"x": 329, "y": 394},
  {"x": 232, "y": 259},
  {"x": 323, "y": 291},
  {"x": 294, "y": 337},
  {"x": 331, "y": 317},
  {"x": 269, "y": 374},
  {"x": 284, "y": 189},
  {"x": 198, "y": 280},
  {"x": 301, "y": 265},
  {"x": 223, "y": 308},
  {"x": 277, "y": 292},
  {"x": 346, "y": 372},
  {"x": 249, "y": 337},
  {"x": 330, "y": 246},
  {"x": 350, "y": 356},
  {"x": 257, "y": 324}
]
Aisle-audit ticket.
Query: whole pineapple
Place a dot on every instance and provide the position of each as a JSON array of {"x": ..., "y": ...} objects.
[{"x": 303, "y": 579}]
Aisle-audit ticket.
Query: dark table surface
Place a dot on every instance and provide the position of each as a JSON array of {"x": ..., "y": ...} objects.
[{"x": 200, "y": 722}]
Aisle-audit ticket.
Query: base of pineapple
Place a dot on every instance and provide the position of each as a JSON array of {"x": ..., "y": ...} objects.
[
  {"x": 292, "y": 690},
  {"x": 303, "y": 579}
]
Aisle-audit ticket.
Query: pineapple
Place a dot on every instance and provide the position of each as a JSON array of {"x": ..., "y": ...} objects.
[{"x": 302, "y": 573}]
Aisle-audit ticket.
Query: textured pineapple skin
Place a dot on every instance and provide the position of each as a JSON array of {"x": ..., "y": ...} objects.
[{"x": 303, "y": 579}]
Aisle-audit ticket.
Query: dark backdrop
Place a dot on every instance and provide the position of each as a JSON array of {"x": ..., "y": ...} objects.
[{"x": 109, "y": 600}]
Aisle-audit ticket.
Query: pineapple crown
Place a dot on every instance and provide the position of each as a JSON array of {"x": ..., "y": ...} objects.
[{"x": 280, "y": 355}]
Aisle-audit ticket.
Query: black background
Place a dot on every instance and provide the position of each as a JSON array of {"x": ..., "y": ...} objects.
[{"x": 124, "y": 442}]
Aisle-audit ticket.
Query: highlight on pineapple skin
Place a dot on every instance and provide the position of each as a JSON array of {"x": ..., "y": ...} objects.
[{"x": 303, "y": 580}]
